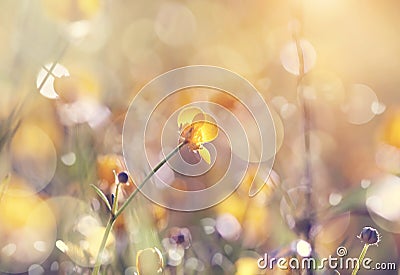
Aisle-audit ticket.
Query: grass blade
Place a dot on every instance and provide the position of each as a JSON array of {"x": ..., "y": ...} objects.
[{"x": 102, "y": 196}]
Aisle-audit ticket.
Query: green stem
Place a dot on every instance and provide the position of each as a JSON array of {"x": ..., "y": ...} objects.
[
  {"x": 115, "y": 203},
  {"x": 360, "y": 259},
  {"x": 147, "y": 178},
  {"x": 52, "y": 67},
  {"x": 309, "y": 212},
  {"x": 97, "y": 265},
  {"x": 115, "y": 215}
]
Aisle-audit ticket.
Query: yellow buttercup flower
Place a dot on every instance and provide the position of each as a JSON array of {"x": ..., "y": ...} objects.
[{"x": 197, "y": 128}]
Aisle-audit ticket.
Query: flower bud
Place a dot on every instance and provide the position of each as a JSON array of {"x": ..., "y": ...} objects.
[
  {"x": 369, "y": 235},
  {"x": 180, "y": 237},
  {"x": 123, "y": 177}
]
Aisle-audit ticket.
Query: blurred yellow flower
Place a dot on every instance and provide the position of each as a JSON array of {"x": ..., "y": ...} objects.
[
  {"x": 197, "y": 128},
  {"x": 246, "y": 266},
  {"x": 106, "y": 164},
  {"x": 391, "y": 133},
  {"x": 255, "y": 181},
  {"x": 19, "y": 206},
  {"x": 71, "y": 10},
  {"x": 234, "y": 205},
  {"x": 28, "y": 227},
  {"x": 160, "y": 215},
  {"x": 149, "y": 261}
]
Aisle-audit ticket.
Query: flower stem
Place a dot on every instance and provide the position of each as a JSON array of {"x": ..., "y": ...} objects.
[
  {"x": 309, "y": 213},
  {"x": 159, "y": 165},
  {"x": 117, "y": 213},
  {"x": 97, "y": 265},
  {"x": 115, "y": 203},
  {"x": 360, "y": 259}
]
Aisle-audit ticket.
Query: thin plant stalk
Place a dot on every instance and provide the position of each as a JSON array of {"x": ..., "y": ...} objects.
[
  {"x": 309, "y": 213},
  {"x": 109, "y": 227},
  {"x": 306, "y": 131},
  {"x": 115, "y": 203},
  {"x": 52, "y": 67},
  {"x": 159, "y": 165},
  {"x": 360, "y": 259},
  {"x": 117, "y": 212},
  {"x": 307, "y": 116}
]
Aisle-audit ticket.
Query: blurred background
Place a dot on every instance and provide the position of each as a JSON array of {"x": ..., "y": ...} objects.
[{"x": 70, "y": 68}]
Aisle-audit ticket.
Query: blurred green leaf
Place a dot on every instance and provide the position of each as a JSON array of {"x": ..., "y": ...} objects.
[
  {"x": 102, "y": 196},
  {"x": 8, "y": 128}
]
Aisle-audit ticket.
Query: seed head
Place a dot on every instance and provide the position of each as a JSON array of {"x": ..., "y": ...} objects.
[
  {"x": 123, "y": 177},
  {"x": 369, "y": 235}
]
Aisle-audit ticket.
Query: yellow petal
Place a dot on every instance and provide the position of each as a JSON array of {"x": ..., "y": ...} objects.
[
  {"x": 205, "y": 118},
  {"x": 205, "y": 154},
  {"x": 200, "y": 132},
  {"x": 200, "y": 117},
  {"x": 209, "y": 131},
  {"x": 186, "y": 115}
]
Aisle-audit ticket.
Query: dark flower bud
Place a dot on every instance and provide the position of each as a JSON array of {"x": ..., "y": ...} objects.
[
  {"x": 369, "y": 235},
  {"x": 112, "y": 199},
  {"x": 180, "y": 236},
  {"x": 123, "y": 177}
]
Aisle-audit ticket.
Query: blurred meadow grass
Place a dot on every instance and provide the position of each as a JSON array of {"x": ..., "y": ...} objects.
[{"x": 70, "y": 69}]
